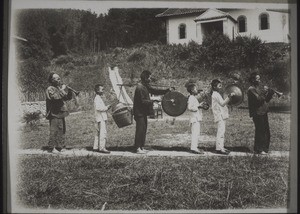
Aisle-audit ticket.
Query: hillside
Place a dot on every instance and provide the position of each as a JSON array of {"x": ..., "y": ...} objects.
[{"x": 167, "y": 63}]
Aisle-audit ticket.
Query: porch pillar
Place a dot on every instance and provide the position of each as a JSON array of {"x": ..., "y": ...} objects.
[{"x": 199, "y": 33}]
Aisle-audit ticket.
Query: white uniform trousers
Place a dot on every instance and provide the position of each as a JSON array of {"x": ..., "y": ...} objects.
[
  {"x": 100, "y": 135},
  {"x": 220, "y": 135},
  {"x": 195, "y": 128}
]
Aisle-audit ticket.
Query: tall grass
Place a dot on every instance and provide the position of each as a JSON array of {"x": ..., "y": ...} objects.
[{"x": 153, "y": 183}]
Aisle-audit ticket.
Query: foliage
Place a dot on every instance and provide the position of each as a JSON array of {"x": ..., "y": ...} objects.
[
  {"x": 132, "y": 39},
  {"x": 217, "y": 52},
  {"x": 32, "y": 118},
  {"x": 32, "y": 75},
  {"x": 79, "y": 31},
  {"x": 279, "y": 74},
  {"x": 251, "y": 52},
  {"x": 136, "y": 56}
]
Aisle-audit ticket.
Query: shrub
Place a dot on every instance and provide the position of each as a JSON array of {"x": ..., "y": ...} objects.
[
  {"x": 32, "y": 118},
  {"x": 217, "y": 52},
  {"x": 63, "y": 59},
  {"x": 136, "y": 57},
  {"x": 250, "y": 52},
  {"x": 279, "y": 75},
  {"x": 32, "y": 75},
  {"x": 68, "y": 66}
]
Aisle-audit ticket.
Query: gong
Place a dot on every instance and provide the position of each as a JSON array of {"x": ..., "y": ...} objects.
[
  {"x": 174, "y": 103},
  {"x": 237, "y": 98}
]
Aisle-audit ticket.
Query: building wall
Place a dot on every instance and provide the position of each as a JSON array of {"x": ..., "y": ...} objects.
[
  {"x": 277, "y": 31},
  {"x": 173, "y": 33},
  {"x": 229, "y": 28}
]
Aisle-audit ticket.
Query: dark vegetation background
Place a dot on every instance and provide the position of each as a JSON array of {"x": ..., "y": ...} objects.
[{"x": 80, "y": 45}]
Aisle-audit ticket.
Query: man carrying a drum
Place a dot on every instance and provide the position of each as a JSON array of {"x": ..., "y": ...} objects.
[{"x": 143, "y": 107}]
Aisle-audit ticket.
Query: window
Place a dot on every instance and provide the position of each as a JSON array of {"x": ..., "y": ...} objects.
[
  {"x": 242, "y": 23},
  {"x": 182, "y": 31},
  {"x": 264, "y": 21}
]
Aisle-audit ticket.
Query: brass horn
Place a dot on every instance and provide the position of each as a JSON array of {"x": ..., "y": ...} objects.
[
  {"x": 279, "y": 94},
  {"x": 238, "y": 98}
]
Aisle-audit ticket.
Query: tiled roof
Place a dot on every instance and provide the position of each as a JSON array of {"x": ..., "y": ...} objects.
[
  {"x": 216, "y": 17},
  {"x": 180, "y": 11},
  {"x": 280, "y": 10},
  {"x": 212, "y": 14}
]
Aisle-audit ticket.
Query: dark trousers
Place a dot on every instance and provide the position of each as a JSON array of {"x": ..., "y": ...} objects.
[
  {"x": 57, "y": 132},
  {"x": 262, "y": 133},
  {"x": 140, "y": 131}
]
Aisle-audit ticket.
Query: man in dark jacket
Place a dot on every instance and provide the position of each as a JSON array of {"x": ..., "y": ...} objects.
[
  {"x": 258, "y": 109},
  {"x": 56, "y": 111},
  {"x": 143, "y": 107}
]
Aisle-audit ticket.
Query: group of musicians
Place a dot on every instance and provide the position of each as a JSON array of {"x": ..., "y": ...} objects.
[{"x": 56, "y": 110}]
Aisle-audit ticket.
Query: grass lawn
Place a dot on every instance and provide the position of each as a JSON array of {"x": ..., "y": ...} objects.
[
  {"x": 153, "y": 183},
  {"x": 239, "y": 132}
]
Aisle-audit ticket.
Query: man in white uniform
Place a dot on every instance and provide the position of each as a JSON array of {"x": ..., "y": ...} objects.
[
  {"x": 220, "y": 112},
  {"x": 100, "y": 121},
  {"x": 195, "y": 117}
]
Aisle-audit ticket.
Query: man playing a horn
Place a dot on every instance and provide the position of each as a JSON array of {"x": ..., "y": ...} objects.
[
  {"x": 258, "y": 109},
  {"x": 56, "y": 111}
]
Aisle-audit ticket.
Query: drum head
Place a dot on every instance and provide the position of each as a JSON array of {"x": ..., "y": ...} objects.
[
  {"x": 174, "y": 103},
  {"x": 239, "y": 96}
]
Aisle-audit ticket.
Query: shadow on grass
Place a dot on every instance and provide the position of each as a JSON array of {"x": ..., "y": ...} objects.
[
  {"x": 161, "y": 148},
  {"x": 275, "y": 109}
]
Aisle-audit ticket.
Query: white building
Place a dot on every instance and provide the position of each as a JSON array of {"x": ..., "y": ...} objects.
[{"x": 184, "y": 25}]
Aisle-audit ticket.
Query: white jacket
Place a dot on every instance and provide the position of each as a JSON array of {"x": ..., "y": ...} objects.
[
  {"x": 100, "y": 109},
  {"x": 194, "y": 112},
  {"x": 219, "y": 109}
]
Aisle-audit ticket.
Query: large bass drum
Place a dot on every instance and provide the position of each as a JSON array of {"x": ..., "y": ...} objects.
[
  {"x": 174, "y": 103},
  {"x": 238, "y": 98}
]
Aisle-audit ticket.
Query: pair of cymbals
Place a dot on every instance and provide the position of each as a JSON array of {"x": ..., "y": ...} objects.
[{"x": 174, "y": 103}]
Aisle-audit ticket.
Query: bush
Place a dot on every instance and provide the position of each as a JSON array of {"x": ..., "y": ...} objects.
[
  {"x": 136, "y": 57},
  {"x": 250, "y": 52},
  {"x": 32, "y": 118},
  {"x": 216, "y": 52},
  {"x": 279, "y": 75},
  {"x": 63, "y": 59},
  {"x": 32, "y": 75}
]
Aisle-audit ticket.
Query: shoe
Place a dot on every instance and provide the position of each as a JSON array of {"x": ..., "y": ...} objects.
[
  {"x": 104, "y": 151},
  {"x": 145, "y": 150},
  {"x": 55, "y": 151},
  {"x": 222, "y": 152},
  {"x": 140, "y": 151},
  {"x": 226, "y": 150},
  {"x": 263, "y": 153},
  {"x": 197, "y": 151}
]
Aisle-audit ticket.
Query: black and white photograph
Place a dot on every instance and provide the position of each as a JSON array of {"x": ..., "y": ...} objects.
[{"x": 151, "y": 106}]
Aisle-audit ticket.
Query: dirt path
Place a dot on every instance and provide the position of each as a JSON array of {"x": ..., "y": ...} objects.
[{"x": 84, "y": 152}]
